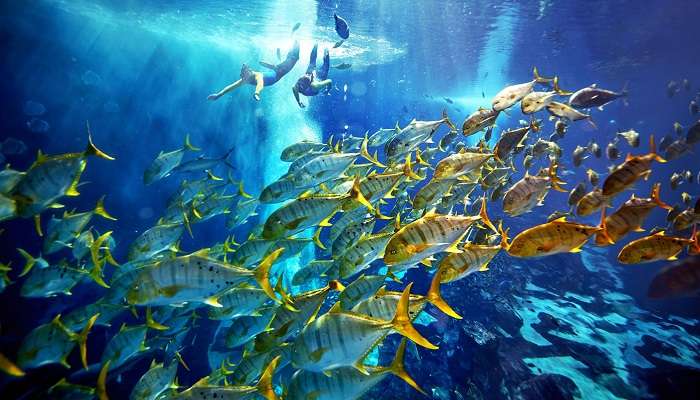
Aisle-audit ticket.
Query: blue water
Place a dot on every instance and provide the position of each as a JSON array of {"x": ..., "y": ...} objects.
[{"x": 567, "y": 326}]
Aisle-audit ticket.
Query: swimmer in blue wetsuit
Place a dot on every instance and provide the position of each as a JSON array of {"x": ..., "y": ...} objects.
[
  {"x": 262, "y": 79},
  {"x": 313, "y": 81}
]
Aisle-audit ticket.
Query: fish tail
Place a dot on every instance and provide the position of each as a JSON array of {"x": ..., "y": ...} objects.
[
  {"x": 397, "y": 368},
  {"x": 317, "y": 239},
  {"x": 9, "y": 367},
  {"x": 357, "y": 195},
  {"x": 539, "y": 78},
  {"x": 262, "y": 273},
  {"x": 264, "y": 386},
  {"x": 558, "y": 89},
  {"x": 189, "y": 145},
  {"x": 91, "y": 149},
  {"x": 96, "y": 272},
  {"x": 448, "y": 121},
  {"x": 504, "y": 236},
  {"x": 434, "y": 297},
  {"x": 151, "y": 323},
  {"x": 408, "y": 168},
  {"x": 401, "y": 322},
  {"x": 81, "y": 338},
  {"x": 554, "y": 178},
  {"x": 603, "y": 226},
  {"x": 420, "y": 160},
  {"x": 624, "y": 93},
  {"x": 243, "y": 192},
  {"x": 29, "y": 262},
  {"x": 101, "y": 389},
  {"x": 590, "y": 121},
  {"x": 655, "y": 197},
  {"x": 652, "y": 150},
  {"x": 485, "y": 217},
  {"x": 100, "y": 210},
  {"x": 365, "y": 153}
]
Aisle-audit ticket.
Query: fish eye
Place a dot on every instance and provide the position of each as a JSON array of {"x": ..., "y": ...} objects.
[{"x": 393, "y": 251}]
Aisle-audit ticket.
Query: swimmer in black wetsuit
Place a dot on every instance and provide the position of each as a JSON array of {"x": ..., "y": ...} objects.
[
  {"x": 262, "y": 79},
  {"x": 313, "y": 81}
]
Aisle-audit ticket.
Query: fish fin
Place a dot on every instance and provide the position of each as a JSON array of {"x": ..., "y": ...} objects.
[
  {"x": 100, "y": 210},
  {"x": 427, "y": 262},
  {"x": 262, "y": 273},
  {"x": 29, "y": 262},
  {"x": 655, "y": 197},
  {"x": 558, "y": 89},
  {"x": 576, "y": 249},
  {"x": 81, "y": 338},
  {"x": 9, "y": 367},
  {"x": 401, "y": 322},
  {"x": 398, "y": 368},
  {"x": 435, "y": 298},
  {"x": 37, "y": 224},
  {"x": 213, "y": 301},
  {"x": 243, "y": 192},
  {"x": 652, "y": 150},
  {"x": 101, "y": 389},
  {"x": 484, "y": 267},
  {"x": 447, "y": 120},
  {"x": 188, "y": 144},
  {"x": 151, "y": 323},
  {"x": 317, "y": 239},
  {"x": 365, "y": 153},
  {"x": 485, "y": 217},
  {"x": 91, "y": 149},
  {"x": 264, "y": 386},
  {"x": 316, "y": 355},
  {"x": 357, "y": 195}
]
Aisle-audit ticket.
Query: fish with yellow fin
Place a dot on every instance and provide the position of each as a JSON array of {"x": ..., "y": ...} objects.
[
  {"x": 654, "y": 247},
  {"x": 626, "y": 174}
]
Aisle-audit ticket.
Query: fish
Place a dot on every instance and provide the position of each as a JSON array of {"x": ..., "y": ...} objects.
[
  {"x": 675, "y": 180},
  {"x": 155, "y": 381},
  {"x": 347, "y": 382},
  {"x": 558, "y": 236},
  {"x": 296, "y": 150},
  {"x": 60, "y": 233},
  {"x": 52, "y": 343},
  {"x": 612, "y": 152},
  {"x": 165, "y": 163},
  {"x": 567, "y": 112},
  {"x": 459, "y": 164},
  {"x": 315, "y": 269},
  {"x": 412, "y": 135},
  {"x": 367, "y": 249},
  {"x": 510, "y": 95},
  {"x": 688, "y": 175},
  {"x": 473, "y": 258},
  {"x": 629, "y": 217},
  {"x": 341, "y": 27},
  {"x": 654, "y": 247},
  {"x": 360, "y": 289},
  {"x": 678, "y": 128},
  {"x": 381, "y": 136},
  {"x": 511, "y": 140},
  {"x": 9, "y": 178},
  {"x": 155, "y": 240},
  {"x": 127, "y": 343},
  {"x": 592, "y": 97},
  {"x": 325, "y": 344},
  {"x": 595, "y": 149},
  {"x": 686, "y": 197},
  {"x": 342, "y": 66},
  {"x": 429, "y": 235},
  {"x": 665, "y": 142},
  {"x": 684, "y": 219},
  {"x": 625, "y": 175},
  {"x": 536, "y": 101},
  {"x": 693, "y": 107},
  {"x": 530, "y": 191},
  {"x": 202, "y": 164},
  {"x": 677, "y": 149},
  {"x": 591, "y": 202},
  {"x": 312, "y": 210},
  {"x": 479, "y": 120},
  {"x": 36, "y": 192},
  {"x": 593, "y": 177},
  {"x": 296, "y": 26},
  {"x": 202, "y": 389},
  {"x": 693, "y": 134},
  {"x": 578, "y": 155},
  {"x": 576, "y": 194},
  {"x": 631, "y": 136},
  {"x": 205, "y": 281},
  {"x": 672, "y": 88},
  {"x": 680, "y": 278}
]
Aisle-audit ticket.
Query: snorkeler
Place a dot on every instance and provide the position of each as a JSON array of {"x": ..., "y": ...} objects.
[
  {"x": 262, "y": 79},
  {"x": 313, "y": 81}
]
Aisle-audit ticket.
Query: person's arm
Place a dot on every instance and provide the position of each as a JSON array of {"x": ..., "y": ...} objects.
[
  {"x": 234, "y": 85},
  {"x": 296, "y": 96},
  {"x": 319, "y": 85},
  {"x": 259, "y": 84}
]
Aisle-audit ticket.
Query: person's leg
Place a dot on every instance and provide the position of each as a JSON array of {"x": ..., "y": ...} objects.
[
  {"x": 291, "y": 60},
  {"x": 323, "y": 73},
  {"x": 312, "y": 60}
]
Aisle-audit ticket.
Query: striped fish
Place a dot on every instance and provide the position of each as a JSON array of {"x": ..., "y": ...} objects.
[
  {"x": 238, "y": 302},
  {"x": 360, "y": 289},
  {"x": 473, "y": 258},
  {"x": 655, "y": 247},
  {"x": 52, "y": 343},
  {"x": 459, "y": 164},
  {"x": 62, "y": 232},
  {"x": 195, "y": 278},
  {"x": 154, "y": 241},
  {"x": 591, "y": 202},
  {"x": 164, "y": 163},
  {"x": 359, "y": 257},
  {"x": 128, "y": 342},
  {"x": 155, "y": 381},
  {"x": 431, "y": 193},
  {"x": 431, "y": 234},
  {"x": 629, "y": 217},
  {"x": 299, "y": 149},
  {"x": 338, "y": 339},
  {"x": 530, "y": 191},
  {"x": 626, "y": 174},
  {"x": 346, "y": 383}
]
